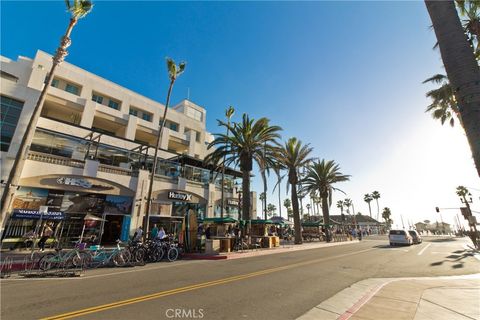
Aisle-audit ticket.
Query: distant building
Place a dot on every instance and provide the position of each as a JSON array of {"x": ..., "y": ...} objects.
[{"x": 434, "y": 227}]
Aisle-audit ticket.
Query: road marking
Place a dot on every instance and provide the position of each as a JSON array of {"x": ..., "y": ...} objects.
[
  {"x": 424, "y": 248},
  {"x": 207, "y": 284}
]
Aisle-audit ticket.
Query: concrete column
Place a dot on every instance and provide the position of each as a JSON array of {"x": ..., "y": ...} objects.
[
  {"x": 91, "y": 168},
  {"x": 88, "y": 114},
  {"x": 131, "y": 128},
  {"x": 165, "y": 138},
  {"x": 211, "y": 197},
  {"x": 141, "y": 187},
  {"x": 182, "y": 183}
]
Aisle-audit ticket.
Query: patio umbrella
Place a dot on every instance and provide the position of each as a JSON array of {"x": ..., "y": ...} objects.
[{"x": 91, "y": 217}]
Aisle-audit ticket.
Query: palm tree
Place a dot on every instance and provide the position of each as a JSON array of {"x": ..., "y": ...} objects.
[
  {"x": 228, "y": 114},
  {"x": 174, "y": 71},
  {"x": 386, "y": 214},
  {"x": 376, "y": 196},
  {"x": 265, "y": 163},
  {"x": 461, "y": 66},
  {"x": 308, "y": 208},
  {"x": 278, "y": 174},
  {"x": 320, "y": 177},
  {"x": 78, "y": 9},
  {"x": 271, "y": 208},
  {"x": 470, "y": 11},
  {"x": 368, "y": 198},
  {"x": 262, "y": 198},
  {"x": 287, "y": 203},
  {"x": 444, "y": 105},
  {"x": 291, "y": 157},
  {"x": 246, "y": 144},
  {"x": 340, "y": 205}
]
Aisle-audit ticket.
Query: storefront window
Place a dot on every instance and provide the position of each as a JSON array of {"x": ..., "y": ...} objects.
[{"x": 180, "y": 209}]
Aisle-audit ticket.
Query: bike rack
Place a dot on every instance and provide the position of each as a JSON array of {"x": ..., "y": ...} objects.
[{"x": 6, "y": 268}]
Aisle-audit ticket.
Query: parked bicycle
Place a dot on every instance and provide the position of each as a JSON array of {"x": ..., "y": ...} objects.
[
  {"x": 63, "y": 259},
  {"x": 99, "y": 257}
]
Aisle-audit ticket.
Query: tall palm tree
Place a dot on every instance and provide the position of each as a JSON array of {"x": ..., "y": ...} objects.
[
  {"x": 291, "y": 157},
  {"x": 174, "y": 71},
  {"x": 78, "y": 9},
  {"x": 287, "y": 203},
  {"x": 444, "y": 105},
  {"x": 461, "y": 66},
  {"x": 376, "y": 196},
  {"x": 247, "y": 143},
  {"x": 470, "y": 12},
  {"x": 280, "y": 176},
  {"x": 368, "y": 198},
  {"x": 228, "y": 114},
  {"x": 386, "y": 214},
  {"x": 308, "y": 208},
  {"x": 320, "y": 177},
  {"x": 265, "y": 163},
  {"x": 340, "y": 205},
  {"x": 262, "y": 199}
]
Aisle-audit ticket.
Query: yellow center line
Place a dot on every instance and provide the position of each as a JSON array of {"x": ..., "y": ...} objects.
[{"x": 78, "y": 313}]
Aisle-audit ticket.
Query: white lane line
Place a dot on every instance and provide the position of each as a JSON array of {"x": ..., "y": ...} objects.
[{"x": 424, "y": 248}]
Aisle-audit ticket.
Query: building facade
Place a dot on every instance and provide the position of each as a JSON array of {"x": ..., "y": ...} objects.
[{"x": 93, "y": 151}]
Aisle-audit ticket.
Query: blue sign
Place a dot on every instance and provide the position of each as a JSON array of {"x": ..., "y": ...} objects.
[
  {"x": 125, "y": 228},
  {"x": 35, "y": 214}
]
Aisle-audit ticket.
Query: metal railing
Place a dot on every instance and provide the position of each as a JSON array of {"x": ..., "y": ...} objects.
[{"x": 115, "y": 170}]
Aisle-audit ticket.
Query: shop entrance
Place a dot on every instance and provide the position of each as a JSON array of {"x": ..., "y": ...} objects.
[{"x": 112, "y": 228}]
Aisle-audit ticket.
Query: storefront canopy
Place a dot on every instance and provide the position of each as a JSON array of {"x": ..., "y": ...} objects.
[
  {"x": 261, "y": 221},
  {"x": 218, "y": 220}
]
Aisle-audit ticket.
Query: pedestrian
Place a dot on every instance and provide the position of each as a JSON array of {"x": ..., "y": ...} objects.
[
  {"x": 154, "y": 232},
  {"x": 208, "y": 232},
  {"x": 47, "y": 233},
  {"x": 360, "y": 234},
  {"x": 137, "y": 236},
  {"x": 161, "y": 234}
]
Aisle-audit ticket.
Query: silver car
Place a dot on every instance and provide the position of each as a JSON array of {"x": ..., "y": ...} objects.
[
  {"x": 415, "y": 236},
  {"x": 400, "y": 237}
]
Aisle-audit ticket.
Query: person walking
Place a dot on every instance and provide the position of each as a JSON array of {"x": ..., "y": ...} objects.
[
  {"x": 137, "y": 236},
  {"x": 47, "y": 233},
  {"x": 154, "y": 232}
]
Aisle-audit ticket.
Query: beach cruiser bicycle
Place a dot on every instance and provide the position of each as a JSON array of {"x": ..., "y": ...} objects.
[
  {"x": 99, "y": 257},
  {"x": 74, "y": 258}
]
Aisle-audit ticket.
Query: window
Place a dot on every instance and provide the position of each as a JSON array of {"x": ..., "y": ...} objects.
[
  {"x": 147, "y": 116},
  {"x": 171, "y": 125},
  {"x": 10, "y": 113},
  {"x": 133, "y": 112},
  {"x": 55, "y": 83},
  {"x": 194, "y": 114},
  {"x": 72, "y": 89},
  {"x": 8, "y": 76},
  {"x": 97, "y": 98},
  {"x": 114, "y": 104}
]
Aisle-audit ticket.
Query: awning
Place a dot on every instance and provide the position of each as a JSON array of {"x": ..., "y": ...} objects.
[{"x": 218, "y": 220}]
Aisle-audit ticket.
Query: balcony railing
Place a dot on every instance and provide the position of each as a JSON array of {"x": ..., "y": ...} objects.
[
  {"x": 115, "y": 170},
  {"x": 49, "y": 158}
]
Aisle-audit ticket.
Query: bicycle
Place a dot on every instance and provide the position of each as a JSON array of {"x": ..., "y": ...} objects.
[
  {"x": 119, "y": 257},
  {"x": 66, "y": 259}
]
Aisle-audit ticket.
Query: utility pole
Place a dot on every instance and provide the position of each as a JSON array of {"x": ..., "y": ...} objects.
[{"x": 403, "y": 225}]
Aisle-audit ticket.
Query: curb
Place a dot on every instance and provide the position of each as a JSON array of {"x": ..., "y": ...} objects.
[{"x": 347, "y": 302}]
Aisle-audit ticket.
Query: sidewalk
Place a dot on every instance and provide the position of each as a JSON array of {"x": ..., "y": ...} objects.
[
  {"x": 432, "y": 298},
  {"x": 262, "y": 252}
]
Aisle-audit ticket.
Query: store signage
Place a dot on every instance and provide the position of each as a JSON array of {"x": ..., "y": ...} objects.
[
  {"x": 232, "y": 202},
  {"x": 35, "y": 214},
  {"x": 79, "y": 182},
  {"x": 179, "y": 196}
]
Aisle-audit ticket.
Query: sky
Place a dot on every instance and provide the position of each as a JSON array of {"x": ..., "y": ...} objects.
[{"x": 345, "y": 77}]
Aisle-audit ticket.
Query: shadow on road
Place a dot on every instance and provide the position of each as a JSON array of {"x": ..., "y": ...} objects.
[
  {"x": 387, "y": 246},
  {"x": 454, "y": 258},
  {"x": 439, "y": 240}
]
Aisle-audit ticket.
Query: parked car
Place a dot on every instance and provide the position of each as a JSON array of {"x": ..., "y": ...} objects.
[
  {"x": 400, "y": 237},
  {"x": 415, "y": 236}
]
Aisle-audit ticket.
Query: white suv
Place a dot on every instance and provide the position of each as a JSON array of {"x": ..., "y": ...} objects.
[{"x": 400, "y": 237}]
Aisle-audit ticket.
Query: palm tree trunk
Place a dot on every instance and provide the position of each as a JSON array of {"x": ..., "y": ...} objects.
[
  {"x": 264, "y": 178},
  {"x": 326, "y": 216},
  {"x": 155, "y": 161},
  {"x": 279, "y": 202},
  {"x": 19, "y": 161},
  {"x": 246, "y": 195},
  {"x": 462, "y": 68},
  {"x": 296, "y": 215},
  {"x": 378, "y": 209},
  {"x": 369, "y": 209}
]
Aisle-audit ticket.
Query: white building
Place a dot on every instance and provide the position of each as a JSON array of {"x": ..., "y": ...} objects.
[{"x": 92, "y": 150}]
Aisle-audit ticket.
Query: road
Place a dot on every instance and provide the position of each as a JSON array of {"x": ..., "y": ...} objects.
[{"x": 280, "y": 286}]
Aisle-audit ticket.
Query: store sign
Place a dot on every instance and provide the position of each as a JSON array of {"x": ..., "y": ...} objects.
[
  {"x": 35, "y": 214},
  {"x": 179, "y": 196},
  {"x": 232, "y": 202},
  {"x": 83, "y": 183}
]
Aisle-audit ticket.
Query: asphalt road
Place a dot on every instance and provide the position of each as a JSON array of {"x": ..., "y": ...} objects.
[{"x": 280, "y": 286}]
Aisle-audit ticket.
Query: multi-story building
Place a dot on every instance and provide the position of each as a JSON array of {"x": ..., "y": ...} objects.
[{"x": 93, "y": 149}]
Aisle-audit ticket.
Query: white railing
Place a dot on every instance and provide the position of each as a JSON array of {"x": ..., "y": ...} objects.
[
  {"x": 50, "y": 158},
  {"x": 115, "y": 170}
]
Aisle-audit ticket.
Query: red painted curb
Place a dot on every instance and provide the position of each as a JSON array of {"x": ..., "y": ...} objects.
[{"x": 204, "y": 257}]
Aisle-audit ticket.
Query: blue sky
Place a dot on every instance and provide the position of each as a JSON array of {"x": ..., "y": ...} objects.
[{"x": 343, "y": 76}]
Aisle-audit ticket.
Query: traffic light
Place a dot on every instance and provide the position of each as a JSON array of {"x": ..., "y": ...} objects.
[{"x": 437, "y": 209}]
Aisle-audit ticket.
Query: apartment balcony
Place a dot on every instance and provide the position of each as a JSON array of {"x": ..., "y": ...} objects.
[
  {"x": 57, "y": 160},
  {"x": 64, "y": 97}
]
